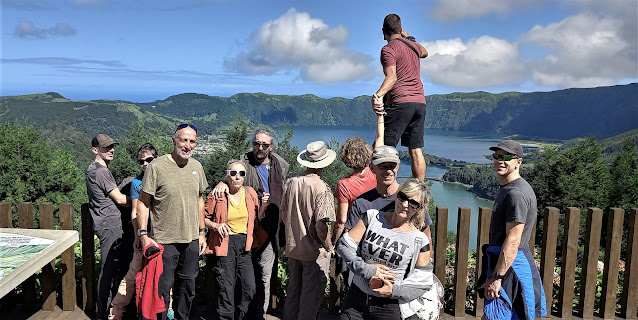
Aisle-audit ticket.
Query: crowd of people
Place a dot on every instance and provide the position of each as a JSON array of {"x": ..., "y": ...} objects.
[{"x": 379, "y": 229}]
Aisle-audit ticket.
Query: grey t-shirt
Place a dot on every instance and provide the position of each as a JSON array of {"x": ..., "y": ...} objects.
[
  {"x": 515, "y": 202},
  {"x": 392, "y": 248},
  {"x": 99, "y": 183},
  {"x": 374, "y": 200}
]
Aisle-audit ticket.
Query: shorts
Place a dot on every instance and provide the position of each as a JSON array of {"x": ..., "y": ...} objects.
[{"x": 405, "y": 121}]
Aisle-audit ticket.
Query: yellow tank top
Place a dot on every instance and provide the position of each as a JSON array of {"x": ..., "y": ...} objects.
[{"x": 238, "y": 214}]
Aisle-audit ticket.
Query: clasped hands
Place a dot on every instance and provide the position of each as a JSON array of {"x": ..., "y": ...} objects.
[
  {"x": 377, "y": 104},
  {"x": 387, "y": 278}
]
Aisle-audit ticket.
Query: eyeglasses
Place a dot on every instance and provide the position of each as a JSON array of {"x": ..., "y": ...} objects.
[
  {"x": 411, "y": 202},
  {"x": 262, "y": 144},
  {"x": 232, "y": 173},
  {"x": 186, "y": 125},
  {"x": 504, "y": 157},
  {"x": 142, "y": 161}
]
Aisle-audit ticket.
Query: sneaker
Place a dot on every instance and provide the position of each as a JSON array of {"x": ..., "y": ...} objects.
[{"x": 171, "y": 314}]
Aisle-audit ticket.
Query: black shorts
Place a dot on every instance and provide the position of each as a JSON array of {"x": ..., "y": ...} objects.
[{"x": 405, "y": 121}]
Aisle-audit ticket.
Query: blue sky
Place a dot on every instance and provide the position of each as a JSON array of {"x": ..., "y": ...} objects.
[{"x": 143, "y": 50}]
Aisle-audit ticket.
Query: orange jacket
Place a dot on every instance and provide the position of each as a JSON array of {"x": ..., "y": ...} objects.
[{"x": 217, "y": 211}]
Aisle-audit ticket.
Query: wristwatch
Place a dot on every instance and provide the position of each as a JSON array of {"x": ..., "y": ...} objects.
[
  {"x": 142, "y": 233},
  {"x": 202, "y": 230},
  {"x": 497, "y": 276},
  {"x": 411, "y": 38}
]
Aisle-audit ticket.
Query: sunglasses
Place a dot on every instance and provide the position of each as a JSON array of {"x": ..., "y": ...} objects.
[
  {"x": 262, "y": 144},
  {"x": 411, "y": 202},
  {"x": 142, "y": 161},
  {"x": 186, "y": 125},
  {"x": 504, "y": 157},
  {"x": 232, "y": 173}
]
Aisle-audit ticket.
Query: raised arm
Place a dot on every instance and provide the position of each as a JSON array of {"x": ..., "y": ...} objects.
[
  {"x": 378, "y": 135},
  {"x": 424, "y": 53}
]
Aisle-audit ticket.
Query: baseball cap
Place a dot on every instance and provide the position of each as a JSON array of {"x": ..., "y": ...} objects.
[
  {"x": 385, "y": 154},
  {"x": 509, "y": 146},
  {"x": 102, "y": 140}
]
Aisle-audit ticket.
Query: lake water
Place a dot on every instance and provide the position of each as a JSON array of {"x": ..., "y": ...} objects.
[{"x": 455, "y": 145}]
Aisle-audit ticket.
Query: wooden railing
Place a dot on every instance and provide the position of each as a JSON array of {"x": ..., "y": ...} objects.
[
  {"x": 457, "y": 306},
  {"x": 47, "y": 275},
  {"x": 568, "y": 261}
]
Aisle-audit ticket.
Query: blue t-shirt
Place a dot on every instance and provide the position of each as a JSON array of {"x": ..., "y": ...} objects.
[
  {"x": 136, "y": 186},
  {"x": 262, "y": 172}
]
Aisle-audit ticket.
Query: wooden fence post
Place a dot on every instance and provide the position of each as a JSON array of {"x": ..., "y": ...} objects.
[
  {"x": 548, "y": 254},
  {"x": 88, "y": 261},
  {"x": 629, "y": 296},
  {"x": 47, "y": 278},
  {"x": 568, "y": 263},
  {"x": 5, "y": 215},
  {"x": 460, "y": 265},
  {"x": 68, "y": 261},
  {"x": 612, "y": 256},
  {"x": 440, "y": 250},
  {"x": 482, "y": 237},
  {"x": 589, "y": 271},
  {"x": 25, "y": 221}
]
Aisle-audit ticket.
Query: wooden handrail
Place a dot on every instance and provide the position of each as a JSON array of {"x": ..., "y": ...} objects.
[{"x": 548, "y": 245}]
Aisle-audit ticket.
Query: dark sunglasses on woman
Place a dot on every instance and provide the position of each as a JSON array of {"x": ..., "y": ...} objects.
[{"x": 411, "y": 202}]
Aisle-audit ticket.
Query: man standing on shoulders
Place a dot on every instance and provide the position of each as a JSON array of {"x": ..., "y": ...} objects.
[
  {"x": 401, "y": 93},
  {"x": 265, "y": 172},
  {"x": 385, "y": 166},
  {"x": 511, "y": 271},
  {"x": 104, "y": 196},
  {"x": 307, "y": 207},
  {"x": 172, "y": 188}
]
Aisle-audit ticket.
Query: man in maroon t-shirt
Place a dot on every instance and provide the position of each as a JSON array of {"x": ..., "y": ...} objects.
[{"x": 401, "y": 93}]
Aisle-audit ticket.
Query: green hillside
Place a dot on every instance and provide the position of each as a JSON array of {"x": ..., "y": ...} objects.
[{"x": 558, "y": 115}]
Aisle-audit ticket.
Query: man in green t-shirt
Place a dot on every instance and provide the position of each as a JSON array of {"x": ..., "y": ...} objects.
[{"x": 172, "y": 188}]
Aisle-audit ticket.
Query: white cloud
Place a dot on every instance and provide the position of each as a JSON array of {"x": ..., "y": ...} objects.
[
  {"x": 453, "y": 10},
  {"x": 297, "y": 41},
  {"x": 26, "y": 29},
  {"x": 481, "y": 62},
  {"x": 587, "y": 51}
]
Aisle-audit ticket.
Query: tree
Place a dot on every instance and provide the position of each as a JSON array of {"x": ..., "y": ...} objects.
[
  {"x": 576, "y": 177},
  {"x": 124, "y": 163},
  {"x": 233, "y": 147},
  {"x": 624, "y": 177},
  {"x": 31, "y": 172}
]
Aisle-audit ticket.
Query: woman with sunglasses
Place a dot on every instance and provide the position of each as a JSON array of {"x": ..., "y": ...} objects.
[
  {"x": 145, "y": 154},
  {"x": 378, "y": 250},
  {"x": 231, "y": 223}
]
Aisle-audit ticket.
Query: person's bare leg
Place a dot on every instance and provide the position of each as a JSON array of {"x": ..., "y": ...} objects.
[{"x": 418, "y": 163}]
